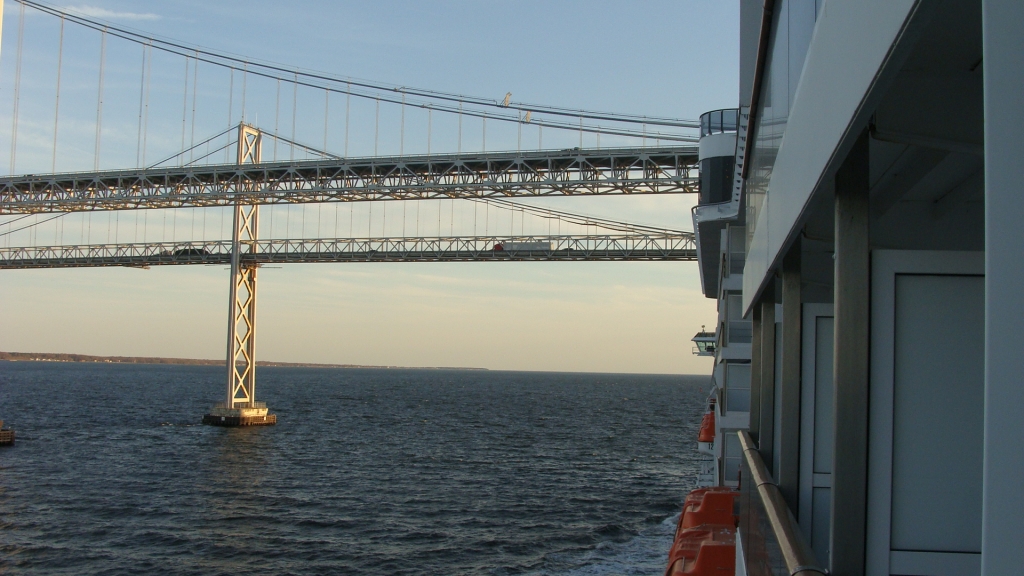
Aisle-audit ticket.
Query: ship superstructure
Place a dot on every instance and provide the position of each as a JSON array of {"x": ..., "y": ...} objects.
[{"x": 859, "y": 227}]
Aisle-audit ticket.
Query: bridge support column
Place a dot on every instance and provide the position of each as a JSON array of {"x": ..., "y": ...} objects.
[{"x": 240, "y": 407}]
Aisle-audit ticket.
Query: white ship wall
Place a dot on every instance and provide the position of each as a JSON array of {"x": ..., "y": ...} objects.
[{"x": 920, "y": 389}]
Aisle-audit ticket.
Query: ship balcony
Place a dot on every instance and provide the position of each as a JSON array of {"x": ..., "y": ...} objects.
[
  {"x": 705, "y": 343},
  {"x": 719, "y": 121}
]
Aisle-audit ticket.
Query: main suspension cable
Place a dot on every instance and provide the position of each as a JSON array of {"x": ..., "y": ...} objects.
[{"x": 274, "y": 71}]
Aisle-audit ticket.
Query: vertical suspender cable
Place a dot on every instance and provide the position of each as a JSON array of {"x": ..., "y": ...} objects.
[
  {"x": 430, "y": 126},
  {"x": 460, "y": 127},
  {"x": 231, "y": 106},
  {"x": 184, "y": 110},
  {"x": 484, "y": 145},
  {"x": 519, "y": 136},
  {"x": 376, "y": 127},
  {"x": 295, "y": 104},
  {"x": 145, "y": 117},
  {"x": 56, "y": 106},
  {"x": 277, "y": 115},
  {"x": 401, "y": 137},
  {"x": 99, "y": 101},
  {"x": 581, "y": 132},
  {"x": 17, "y": 86},
  {"x": 327, "y": 114},
  {"x": 195, "y": 90},
  {"x": 142, "y": 98},
  {"x": 348, "y": 102},
  {"x": 245, "y": 79}
]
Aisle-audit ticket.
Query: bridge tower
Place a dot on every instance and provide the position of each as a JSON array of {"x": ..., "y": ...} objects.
[{"x": 240, "y": 407}]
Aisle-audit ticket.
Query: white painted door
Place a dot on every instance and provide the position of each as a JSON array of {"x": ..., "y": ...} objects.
[
  {"x": 927, "y": 413},
  {"x": 816, "y": 393}
]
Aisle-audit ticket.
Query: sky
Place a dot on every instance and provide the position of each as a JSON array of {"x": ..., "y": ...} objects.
[{"x": 671, "y": 58}]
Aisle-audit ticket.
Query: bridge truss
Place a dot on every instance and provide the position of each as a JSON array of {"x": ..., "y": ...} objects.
[
  {"x": 618, "y": 247},
  {"x": 669, "y": 170}
]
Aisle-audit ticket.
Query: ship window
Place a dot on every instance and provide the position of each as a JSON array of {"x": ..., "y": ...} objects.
[
  {"x": 733, "y": 456},
  {"x": 737, "y": 387},
  {"x": 740, "y": 330},
  {"x": 737, "y": 249}
]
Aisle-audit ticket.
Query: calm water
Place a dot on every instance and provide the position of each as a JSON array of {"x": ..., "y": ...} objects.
[{"x": 367, "y": 472}]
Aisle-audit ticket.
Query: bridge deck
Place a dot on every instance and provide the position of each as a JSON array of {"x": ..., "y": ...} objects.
[
  {"x": 479, "y": 175},
  {"x": 678, "y": 246}
]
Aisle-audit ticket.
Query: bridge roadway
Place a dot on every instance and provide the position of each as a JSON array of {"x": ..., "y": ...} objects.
[
  {"x": 615, "y": 247},
  {"x": 574, "y": 171}
]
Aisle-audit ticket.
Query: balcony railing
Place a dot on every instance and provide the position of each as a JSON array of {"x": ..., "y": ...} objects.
[
  {"x": 772, "y": 542},
  {"x": 740, "y": 332}
]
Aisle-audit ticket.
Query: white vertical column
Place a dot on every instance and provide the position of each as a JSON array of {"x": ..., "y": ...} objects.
[{"x": 1003, "y": 504}]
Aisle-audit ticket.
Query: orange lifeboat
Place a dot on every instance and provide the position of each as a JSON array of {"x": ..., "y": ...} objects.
[
  {"x": 703, "y": 551},
  {"x": 707, "y": 428},
  {"x": 705, "y": 542},
  {"x": 712, "y": 506}
]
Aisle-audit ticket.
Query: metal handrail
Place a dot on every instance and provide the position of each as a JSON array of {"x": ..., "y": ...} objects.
[{"x": 797, "y": 555}]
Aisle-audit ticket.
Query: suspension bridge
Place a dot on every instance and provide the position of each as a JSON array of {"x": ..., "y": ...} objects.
[{"x": 308, "y": 187}]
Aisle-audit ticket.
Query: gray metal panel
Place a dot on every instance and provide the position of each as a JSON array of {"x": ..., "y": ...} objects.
[
  {"x": 824, "y": 390},
  {"x": 766, "y": 440},
  {"x": 938, "y": 412}
]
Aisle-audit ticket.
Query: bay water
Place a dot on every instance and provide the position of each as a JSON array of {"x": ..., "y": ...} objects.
[{"x": 369, "y": 471}]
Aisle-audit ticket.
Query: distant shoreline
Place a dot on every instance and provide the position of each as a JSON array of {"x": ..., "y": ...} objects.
[{"x": 85, "y": 358}]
